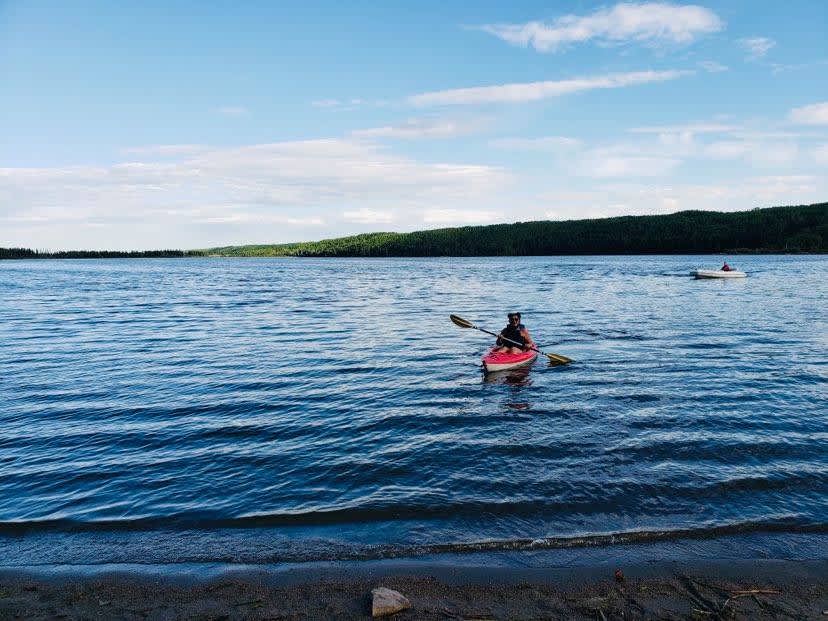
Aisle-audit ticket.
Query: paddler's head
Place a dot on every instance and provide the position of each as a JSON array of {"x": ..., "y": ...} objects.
[{"x": 514, "y": 318}]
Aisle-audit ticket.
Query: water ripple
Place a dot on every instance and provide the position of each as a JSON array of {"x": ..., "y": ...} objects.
[{"x": 290, "y": 396}]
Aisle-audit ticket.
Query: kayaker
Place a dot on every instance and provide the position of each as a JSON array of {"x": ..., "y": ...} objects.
[
  {"x": 726, "y": 267},
  {"x": 514, "y": 331}
]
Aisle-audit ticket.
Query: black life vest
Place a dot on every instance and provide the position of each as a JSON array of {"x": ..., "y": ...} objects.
[{"x": 513, "y": 333}]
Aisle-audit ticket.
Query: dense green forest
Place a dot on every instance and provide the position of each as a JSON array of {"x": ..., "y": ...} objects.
[
  {"x": 25, "y": 253},
  {"x": 776, "y": 229}
]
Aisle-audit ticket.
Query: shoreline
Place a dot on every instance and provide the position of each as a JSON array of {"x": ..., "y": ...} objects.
[
  {"x": 745, "y": 252},
  {"x": 693, "y": 589}
]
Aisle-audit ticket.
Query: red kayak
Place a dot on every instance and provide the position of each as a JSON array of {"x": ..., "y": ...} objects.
[{"x": 499, "y": 361}]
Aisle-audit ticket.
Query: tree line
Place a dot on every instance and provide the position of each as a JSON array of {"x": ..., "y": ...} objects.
[
  {"x": 772, "y": 230},
  {"x": 27, "y": 253},
  {"x": 796, "y": 229}
]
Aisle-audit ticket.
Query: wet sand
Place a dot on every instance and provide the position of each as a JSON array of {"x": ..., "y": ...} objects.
[{"x": 667, "y": 590}]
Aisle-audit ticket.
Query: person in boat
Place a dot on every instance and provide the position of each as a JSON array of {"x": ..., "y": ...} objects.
[
  {"x": 514, "y": 331},
  {"x": 726, "y": 267}
]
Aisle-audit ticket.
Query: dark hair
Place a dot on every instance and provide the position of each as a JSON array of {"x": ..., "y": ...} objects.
[{"x": 510, "y": 315}]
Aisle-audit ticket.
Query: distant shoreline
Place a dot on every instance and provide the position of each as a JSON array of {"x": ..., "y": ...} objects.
[
  {"x": 718, "y": 253},
  {"x": 775, "y": 230}
]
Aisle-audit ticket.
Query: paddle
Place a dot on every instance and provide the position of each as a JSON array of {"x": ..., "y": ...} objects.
[{"x": 459, "y": 321}]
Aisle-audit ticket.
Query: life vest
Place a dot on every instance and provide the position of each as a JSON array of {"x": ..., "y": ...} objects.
[{"x": 513, "y": 333}]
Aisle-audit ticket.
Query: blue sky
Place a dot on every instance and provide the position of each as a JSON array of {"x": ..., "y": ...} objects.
[{"x": 191, "y": 124}]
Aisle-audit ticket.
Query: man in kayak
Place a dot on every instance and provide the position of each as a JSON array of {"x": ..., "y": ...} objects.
[
  {"x": 514, "y": 331},
  {"x": 726, "y": 267}
]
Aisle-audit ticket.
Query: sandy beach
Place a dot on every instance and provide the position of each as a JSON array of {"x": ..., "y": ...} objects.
[{"x": 769, "y": 589}]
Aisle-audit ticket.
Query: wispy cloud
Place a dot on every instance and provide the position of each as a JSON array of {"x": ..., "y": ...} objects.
[
  {"x": 233, "y": 111},
  {"x": 348, "y": 104},
  {"x": 756, "y": 47},
  {"x": 815, "y": 114},
  {"x": 326, "y": 103},
  {"x": 637, "y": 197},
  {"x": 165, "y": 149},
  {"x": 368, "y": 216},
  {"x": 544, "y": 143},
  {"x": 711, "y": 66},
  {"x": 259, "y": 218},
  {"x": 821, "y": 155},
  {"x": 692, "y": 128},
  {"x": 757, "y": 153},
  {"x": 651, "y": 23},
  {"x": 414, "y": 129},
  {"x": 533, "y": 91},
  {"x": 280, "y": 183},
  {"x": 659, "y": 150},
  {"x": 782, "y": 67},
  {"x": 460, "y": 216},
  {"x": 607, "y": 163}
]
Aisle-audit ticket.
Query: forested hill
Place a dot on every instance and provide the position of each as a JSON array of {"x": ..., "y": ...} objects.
[{"x": 776, "y": 229}]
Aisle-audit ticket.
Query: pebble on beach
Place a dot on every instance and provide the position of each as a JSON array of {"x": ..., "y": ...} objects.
[{"x": 387, "y": 602}]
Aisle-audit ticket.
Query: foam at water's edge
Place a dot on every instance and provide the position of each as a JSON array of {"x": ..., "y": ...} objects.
[{"x": 267, "y": 545}]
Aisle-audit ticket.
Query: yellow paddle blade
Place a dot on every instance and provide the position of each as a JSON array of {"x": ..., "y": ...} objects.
[
  {"x": 459, "y": 321},
  {"x": 558, "y": 359}
]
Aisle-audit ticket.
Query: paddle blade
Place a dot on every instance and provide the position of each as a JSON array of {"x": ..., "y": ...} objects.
[
  {"x": 558, "y": 359},
  {"x": 459, "y": 321}
]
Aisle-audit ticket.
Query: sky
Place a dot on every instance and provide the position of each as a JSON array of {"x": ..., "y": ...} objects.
[{"x": 183, "y": 124}]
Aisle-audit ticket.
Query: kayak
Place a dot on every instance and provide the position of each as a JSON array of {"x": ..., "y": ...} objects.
[
  {"x": 718, "y": 274},
  {"x": 501, "y": 361}
]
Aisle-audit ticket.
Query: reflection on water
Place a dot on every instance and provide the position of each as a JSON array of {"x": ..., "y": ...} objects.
[{"x": 515, "y": 378}]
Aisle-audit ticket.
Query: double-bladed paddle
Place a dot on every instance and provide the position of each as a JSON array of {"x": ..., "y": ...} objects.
[{"x": 459, "y": 321}]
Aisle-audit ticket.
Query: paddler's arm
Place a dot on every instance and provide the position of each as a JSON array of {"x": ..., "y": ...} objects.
[{"x": 525, "y": 334}]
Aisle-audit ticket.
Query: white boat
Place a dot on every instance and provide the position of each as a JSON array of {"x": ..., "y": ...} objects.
[{"x": 718, "y": 274}]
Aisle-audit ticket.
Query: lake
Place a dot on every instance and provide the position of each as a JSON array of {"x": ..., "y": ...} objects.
[{"x": 289, "y": 410}]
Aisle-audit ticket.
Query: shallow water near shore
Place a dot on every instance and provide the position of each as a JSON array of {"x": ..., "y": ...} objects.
[{"x": 294, "y": 410}]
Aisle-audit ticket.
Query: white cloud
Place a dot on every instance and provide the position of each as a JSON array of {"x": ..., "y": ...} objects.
[
  {"x": 767, "y": 154},
  {"x": 342, "y": 105},
  {"x": 780, "y": 67},
  {"x": 651, "y": 23},
  {"x": 759, "y": 135},
  {"x": 711, "y": 66},
  {"x": 258, "y": 218},
  {"x": 638, "y": 198},
  {"x": 757, "y": 47},
  {"x": 821, "y": 155},
  {"x": 414, "y": 129},
  {"x": 668, "y": 203},
  {"x": 165, "y": 149},
  {"x": 792, "y": 189},
  {"x": 815, "y": 114},
  {"x": 533, "y": 91},
  {"x": 286, "y": 183},
  {"x": 368, "y": 216},
  {"x": 544, "y": 143},
  {"x": 607, "y": 163},
  {"x": 233, "y": 111},
  {"x": 728, "y": 149},
  {"x": 690, "y": 128},
  {"x": 459, "y": 216}
]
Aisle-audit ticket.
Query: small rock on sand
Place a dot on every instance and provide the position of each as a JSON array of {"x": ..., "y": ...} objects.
[{"x": 387, "y": 602}]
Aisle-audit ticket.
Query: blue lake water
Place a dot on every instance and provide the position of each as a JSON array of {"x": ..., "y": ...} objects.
[{"x": 262, "y": 410}]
